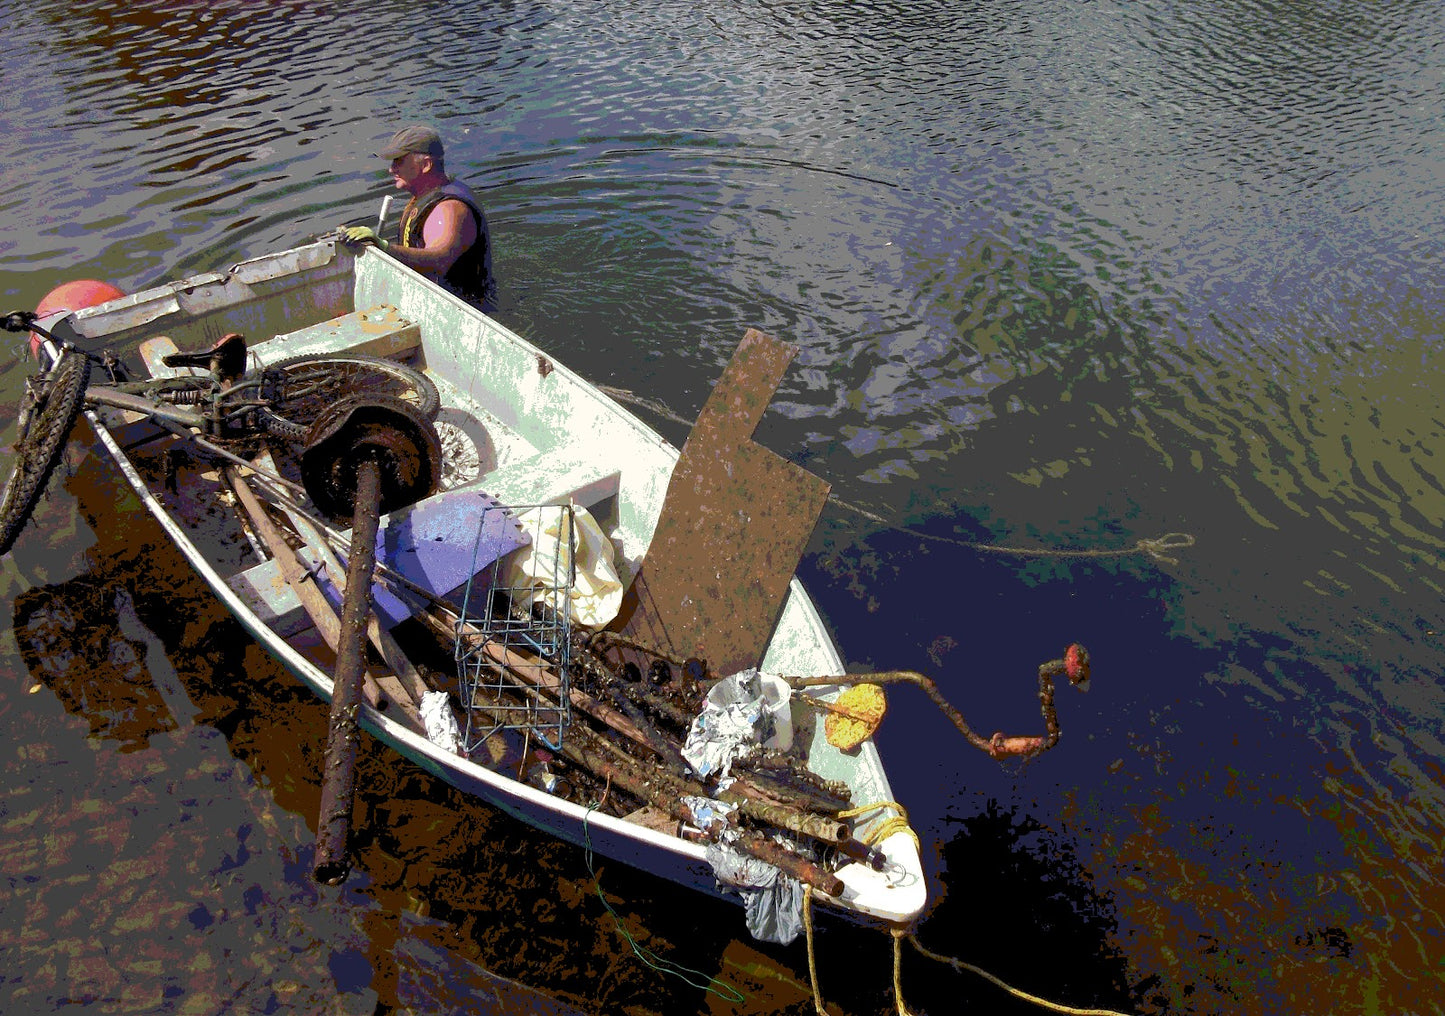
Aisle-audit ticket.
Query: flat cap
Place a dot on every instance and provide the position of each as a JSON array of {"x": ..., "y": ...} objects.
[{"x": 416, "y": 137}]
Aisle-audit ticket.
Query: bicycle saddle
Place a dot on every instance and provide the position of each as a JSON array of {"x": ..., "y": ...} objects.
[{"x": 227, "y": 357}]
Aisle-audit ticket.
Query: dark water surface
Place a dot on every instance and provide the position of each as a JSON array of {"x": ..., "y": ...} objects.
[{"x": 1065, "y": 276}]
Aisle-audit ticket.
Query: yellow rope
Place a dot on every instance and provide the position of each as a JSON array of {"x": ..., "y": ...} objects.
[
  {"x": 879, "y": 833},
  {"x": 889, "y": 826},
  {"x": 812, "y": 962},
  {"x": 876, "y": 835},
  {"x": 898, "y": 934},
  {"x": 893, "y": 825},
  {"x": 1017, "y": 993}
]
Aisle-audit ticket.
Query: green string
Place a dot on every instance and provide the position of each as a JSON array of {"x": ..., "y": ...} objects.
[{"x": 647, "y": 956}]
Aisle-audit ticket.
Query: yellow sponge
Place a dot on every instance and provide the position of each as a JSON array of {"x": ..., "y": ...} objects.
[{"x": 854, "y": 716}]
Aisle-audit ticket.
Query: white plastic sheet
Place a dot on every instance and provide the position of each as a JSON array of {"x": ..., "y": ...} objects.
[{"x": 596, "y": 588}]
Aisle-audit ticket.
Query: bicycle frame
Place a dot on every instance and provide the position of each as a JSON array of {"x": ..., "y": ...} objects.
[
  {"x": 208, "y": 409},
  {"x": 106, "y": 395}
]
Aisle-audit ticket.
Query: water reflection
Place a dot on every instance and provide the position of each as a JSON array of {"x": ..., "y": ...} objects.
[
  {"x": 71, "y": 641},
  {"x": 1063, "y": 277}
]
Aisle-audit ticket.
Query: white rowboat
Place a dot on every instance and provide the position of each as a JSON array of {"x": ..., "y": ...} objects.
[{"x": 516, "y": 425}]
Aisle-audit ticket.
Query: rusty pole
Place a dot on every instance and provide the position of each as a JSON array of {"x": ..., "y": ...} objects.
[{"x": 338, "y": 778}]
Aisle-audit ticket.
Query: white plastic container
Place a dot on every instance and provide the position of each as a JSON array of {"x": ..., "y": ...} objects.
[{"x": 778, "y": 704}]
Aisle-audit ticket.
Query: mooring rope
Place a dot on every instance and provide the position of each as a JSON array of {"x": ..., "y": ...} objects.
[
  {"x": 898, "y": 935},
  {"x": 895, "y": 823},
  {"x": 812, "y": 960},
  {"x": 1155, "y": 547},
  {"x": 1068, "y": 1010},
  {"x": 899, "y": 823},
  {"x": 651, "y": 405}
]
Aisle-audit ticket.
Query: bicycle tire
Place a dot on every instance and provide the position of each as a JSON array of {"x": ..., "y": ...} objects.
[
  {"x": 314, "y": 382},
  {"x": 49, "y": 417}
]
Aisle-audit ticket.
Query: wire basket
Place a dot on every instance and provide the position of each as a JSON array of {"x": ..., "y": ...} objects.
[{"x": 513, "y": 640}]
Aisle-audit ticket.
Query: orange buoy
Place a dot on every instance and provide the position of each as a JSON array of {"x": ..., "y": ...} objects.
[{"x": 69, "y": 296}]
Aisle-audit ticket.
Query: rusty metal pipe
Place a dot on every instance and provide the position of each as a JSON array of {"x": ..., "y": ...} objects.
[
  {"x": 670, "y": 768},
  {"x": 663, "y": 792},
  {"x": 1075, "y": 665},
  {"x": 338, "y": 780}
]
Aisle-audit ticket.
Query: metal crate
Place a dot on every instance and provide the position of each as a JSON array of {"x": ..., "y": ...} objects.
[{"x": 513, "y": 640}]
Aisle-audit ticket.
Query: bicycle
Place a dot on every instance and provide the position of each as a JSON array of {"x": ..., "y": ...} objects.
[{"x": 226, "y": 405}]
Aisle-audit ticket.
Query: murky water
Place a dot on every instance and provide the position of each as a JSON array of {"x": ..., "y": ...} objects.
[{"x": 1064, "y": 276}]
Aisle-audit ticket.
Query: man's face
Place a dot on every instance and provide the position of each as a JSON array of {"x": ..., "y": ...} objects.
[{"x": 407, "y": 168}]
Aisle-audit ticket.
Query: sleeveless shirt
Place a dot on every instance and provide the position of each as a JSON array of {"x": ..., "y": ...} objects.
[{"x": 470, "y": 276}]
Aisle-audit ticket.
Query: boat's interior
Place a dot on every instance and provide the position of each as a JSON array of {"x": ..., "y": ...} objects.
[{"x": 490, "y": 443}]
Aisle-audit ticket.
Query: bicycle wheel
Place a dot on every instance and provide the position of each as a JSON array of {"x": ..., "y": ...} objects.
[
  {"x": 306, "y": 386},
  {"x": 47, "y": 413}
]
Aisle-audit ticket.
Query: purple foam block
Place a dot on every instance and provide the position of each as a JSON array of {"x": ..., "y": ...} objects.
[{"x": 438, "y": 545}]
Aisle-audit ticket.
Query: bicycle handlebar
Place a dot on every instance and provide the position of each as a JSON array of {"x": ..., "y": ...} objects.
[{"x": 19, "y": 321}]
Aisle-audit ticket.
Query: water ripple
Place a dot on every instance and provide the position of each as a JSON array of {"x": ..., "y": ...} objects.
[{"x": 1060, "y": 274}]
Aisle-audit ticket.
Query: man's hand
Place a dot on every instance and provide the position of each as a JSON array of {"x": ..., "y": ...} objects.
[{"x": 352, "y": 235}]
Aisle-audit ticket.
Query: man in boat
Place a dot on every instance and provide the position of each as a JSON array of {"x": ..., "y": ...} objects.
[{"x": 444, "y": 232}]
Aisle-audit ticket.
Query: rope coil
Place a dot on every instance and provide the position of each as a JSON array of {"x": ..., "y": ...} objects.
[{"x": 886, "y": 828}]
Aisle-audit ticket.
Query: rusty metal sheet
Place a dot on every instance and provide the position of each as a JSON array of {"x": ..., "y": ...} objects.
[{"x": 732, "y": 529}]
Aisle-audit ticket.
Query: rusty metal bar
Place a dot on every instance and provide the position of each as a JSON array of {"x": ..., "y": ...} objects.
[
  {"x": 338, "y": 783},
  {"x": 381, "y": 690},
  {"x": 1074, "y": 665}
]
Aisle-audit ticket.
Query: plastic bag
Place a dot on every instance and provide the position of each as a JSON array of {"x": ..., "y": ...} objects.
[
  {"x": 440, "y": 723},
  {"x": 742, "y": 712},
  {"x": 772, "y": 900}
]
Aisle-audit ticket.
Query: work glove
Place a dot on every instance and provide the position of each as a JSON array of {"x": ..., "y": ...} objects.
[{"x": 362, "y": 234}]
